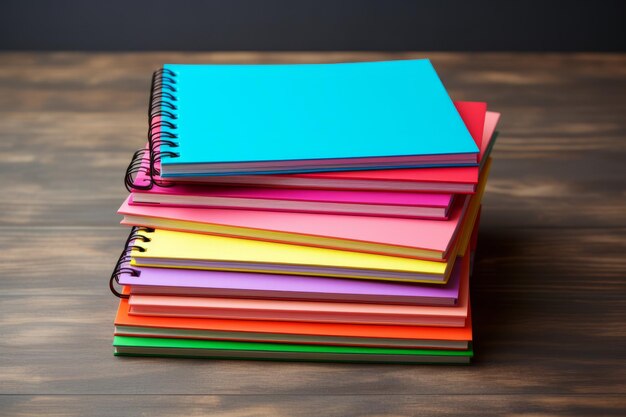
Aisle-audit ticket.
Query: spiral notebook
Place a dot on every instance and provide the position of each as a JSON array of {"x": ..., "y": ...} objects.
[
  {"x": 189, "y": 282},
  {"x": 315, "y": 311},
  {"x": 190, "y": 348},
  {"x": 365, "y": 203},
  {"x": 481, "y": 125},
  {"x": 266, "y": 331},
  {"x": 169, "y": 249},
  {"x": 241, "y": 119},
  {"x": 130, "y": 275},
  {"x": 418, "y": 238}
]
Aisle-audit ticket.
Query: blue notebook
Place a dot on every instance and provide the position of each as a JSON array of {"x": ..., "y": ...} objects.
[{"x": 263, "y": 119}]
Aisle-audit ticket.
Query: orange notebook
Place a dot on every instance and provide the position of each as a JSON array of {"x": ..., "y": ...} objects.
[
  {"x": 292, "y": 332},
  {"x": 287, "y": 310}
]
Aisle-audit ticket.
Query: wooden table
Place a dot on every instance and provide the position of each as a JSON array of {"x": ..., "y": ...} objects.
[{"x": 548, "y": 293}]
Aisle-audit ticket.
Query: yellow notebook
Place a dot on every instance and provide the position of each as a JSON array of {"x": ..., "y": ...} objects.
[
  {"x": 378, "y": 235},
  {"x": 196, "y": 251},
  {"x": 170, "y": 249}
]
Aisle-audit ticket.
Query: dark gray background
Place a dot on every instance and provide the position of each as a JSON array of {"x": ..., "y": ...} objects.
[{"x": 392, "y": 25}]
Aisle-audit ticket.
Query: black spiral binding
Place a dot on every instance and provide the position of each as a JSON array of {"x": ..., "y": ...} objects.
[
  {"x": 162, "y": 105},
  {"x": 123, "y": 263}
]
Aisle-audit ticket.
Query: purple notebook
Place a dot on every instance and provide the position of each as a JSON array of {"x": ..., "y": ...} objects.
[{"x": 187, "y": 282}]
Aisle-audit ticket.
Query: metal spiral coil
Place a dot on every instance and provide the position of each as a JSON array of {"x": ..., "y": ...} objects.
[
  {"x": 161, "y": 114},
  {"x": 122, "y": 266}
]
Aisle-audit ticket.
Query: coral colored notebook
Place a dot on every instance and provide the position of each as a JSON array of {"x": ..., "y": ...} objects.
[
  {"x": 292, "y": 332},
  {"x": 285, "y": 310},
  {"x": 237, "y": 119},
  {"x": 188, "y": 282},
  {"x": 426, "y": 239}
]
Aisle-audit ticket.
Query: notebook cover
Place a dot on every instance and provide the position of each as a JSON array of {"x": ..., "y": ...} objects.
[
  {"x": 325, "y": 230},
  {"x": 253, "y": 285},
  {"x": 286, "y": 310},
  {"x": 434, "y": 235},
  {"x": 242, "y": 255},
  {"x": 189, "y": 248},
  {"x": 473, "y": 114},
  {"x": 296, "y": 328},
  {"x": 257, "y": 256},
  {"x": 204, "y": 348},
  {"x": 467, "y": 175},
  {"x": 354, "y": 330},
  {"x": 347, "y": 110},
  {"x": 310, "y": 196}
]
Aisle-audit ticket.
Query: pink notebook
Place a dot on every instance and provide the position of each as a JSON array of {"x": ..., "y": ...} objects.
[
  {"x": 367, "y": 203},
  {"x": 432, "y": 238},
  {"x": 308, "y": 311}
]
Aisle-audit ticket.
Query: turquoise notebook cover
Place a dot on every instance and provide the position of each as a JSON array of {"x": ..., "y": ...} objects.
[{"x": 242, "y": 113}]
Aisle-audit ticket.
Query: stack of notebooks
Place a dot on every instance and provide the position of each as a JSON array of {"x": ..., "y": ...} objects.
[{"x": 324, "y": 212}]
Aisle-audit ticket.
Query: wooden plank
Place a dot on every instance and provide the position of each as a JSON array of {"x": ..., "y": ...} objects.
[
  {"x": 543, "y": 325},
  {"x": 313, "y": 405}
]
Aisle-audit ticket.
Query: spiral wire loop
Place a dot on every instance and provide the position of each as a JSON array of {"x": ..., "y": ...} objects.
[
  {"x": 162, "y": 109},
  {"x": 122, "y": 266}
]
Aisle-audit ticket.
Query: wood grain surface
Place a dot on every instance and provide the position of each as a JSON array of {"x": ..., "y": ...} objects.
[{"x": 548, "y": 293}]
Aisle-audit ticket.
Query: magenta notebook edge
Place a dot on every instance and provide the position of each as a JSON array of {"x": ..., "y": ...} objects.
[{"x": 387, "y": 198}]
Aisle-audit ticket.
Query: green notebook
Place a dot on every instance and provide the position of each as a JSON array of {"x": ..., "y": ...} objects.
[{"x": 189, "y": 348}]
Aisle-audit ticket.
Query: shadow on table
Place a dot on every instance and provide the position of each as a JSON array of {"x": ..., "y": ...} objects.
[{"x": 494, "y": 289}]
